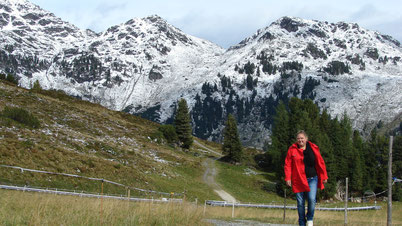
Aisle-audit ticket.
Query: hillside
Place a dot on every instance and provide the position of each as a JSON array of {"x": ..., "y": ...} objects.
[{"x": 81, "y": 138}]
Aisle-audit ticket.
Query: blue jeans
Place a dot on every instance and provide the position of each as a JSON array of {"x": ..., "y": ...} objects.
[{"x": 311, "y": 199}]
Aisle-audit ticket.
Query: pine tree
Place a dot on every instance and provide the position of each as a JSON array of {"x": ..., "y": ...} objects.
[
  {"x": 232, "y": 147},
  {"x": 36, "y": 86},
  {"x": 357, "y": 168},
  {"x": 370, "y": 163},
  {"x": 397, "y": 167},
  {"x": 281, "y": 140},
  {"x": 183, "y": 125}
]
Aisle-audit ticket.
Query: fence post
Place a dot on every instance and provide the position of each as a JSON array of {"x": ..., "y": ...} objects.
[
  {"x": 389, "y": 209},
  {"x": 284, "y": 207},
  {"x": 101, "y": 203},
  {"x": 205, "y": 206},
  {"x": 346, "y": 202},
  {"x": 233, "y": 209}
]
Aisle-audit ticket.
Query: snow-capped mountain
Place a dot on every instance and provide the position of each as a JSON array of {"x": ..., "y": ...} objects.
[{"x": 144, "y": 66}]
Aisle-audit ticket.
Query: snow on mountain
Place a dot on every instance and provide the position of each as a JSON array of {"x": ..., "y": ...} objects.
[
  {"x": 27, "y": 29},
  {"x": 370, "y": 92},
  {"x": 144, "y": 66}
]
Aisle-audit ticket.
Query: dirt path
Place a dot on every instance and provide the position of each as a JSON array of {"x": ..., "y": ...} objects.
[
  {"x": 209, "y": 178},
  {"x": 207, "y": 149},
  {"x": 210, "y": 174}
]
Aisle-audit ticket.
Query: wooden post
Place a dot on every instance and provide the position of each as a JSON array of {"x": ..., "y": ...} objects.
[
  {"x": 128, "y": 197},
  {"x": 346, "y": 202},
  {"x": 389, "y": 211},
  {"x": 205, "y": 206},
  {"x": 284, "y": 207},
  {"x": 233, "y": 209},
  {"x": 101, "y": 203}
]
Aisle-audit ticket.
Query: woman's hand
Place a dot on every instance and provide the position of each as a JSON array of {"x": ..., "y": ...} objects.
[
  {"x": 289, "y": 183},
  {"x": 324, "y": 181}
]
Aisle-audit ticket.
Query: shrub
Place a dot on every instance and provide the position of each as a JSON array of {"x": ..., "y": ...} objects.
[
  {"x": 337, "y": 68},
  {"x": 315, "y": 52},
  {"x": 12, "y": 79},
  {"x": 37, "y": 86},
  {"x": 21, "y": 115},
  {"x": 57, "y": 94},
  {"x": 169, "y": 133},
  {"x": 294, "y": 65},
  {"x": 372, "y": 53}
]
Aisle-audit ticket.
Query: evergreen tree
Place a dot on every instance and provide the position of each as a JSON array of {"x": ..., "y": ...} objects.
[
  {"x": 11, "y": 78},
  {"x": 397, "y": 167},
  {"x": 381, "y": 150},
  {"x": 357, "y": 168},
  {"x": 346, "y": 148},
  {"x": 370, "y": 163},
  {"x": 327, "y": 153},
  {"x": 281, "y": 140},
  {"x": 169, "y": 132},
  {"x": 183, "y": 125},
  {"x": 232, "y": 147},
  {"x": 36, "y": 86}
]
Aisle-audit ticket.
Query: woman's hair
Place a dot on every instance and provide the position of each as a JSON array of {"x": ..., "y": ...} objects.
[{"x": 302, "y": 132}]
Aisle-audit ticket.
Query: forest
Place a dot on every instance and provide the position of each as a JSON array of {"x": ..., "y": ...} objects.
[{"x": 346, "y": 153}]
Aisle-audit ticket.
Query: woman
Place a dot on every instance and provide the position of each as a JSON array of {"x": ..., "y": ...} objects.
[{"x": 305, "y": 171}]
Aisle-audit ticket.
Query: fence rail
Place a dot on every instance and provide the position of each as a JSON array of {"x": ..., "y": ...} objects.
[
  {"x": 229, "y": 204},
  {"x": 91, "y": 178},
  {"x": 81, "y": 194}
]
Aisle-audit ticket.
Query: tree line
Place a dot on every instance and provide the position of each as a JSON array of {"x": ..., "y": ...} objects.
[
  {"x": 345, "y": 152},
  {"x": 181, "y": 133}
]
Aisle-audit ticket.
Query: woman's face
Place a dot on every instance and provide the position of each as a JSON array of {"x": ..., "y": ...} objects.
[{"x": 301, "y": 140}]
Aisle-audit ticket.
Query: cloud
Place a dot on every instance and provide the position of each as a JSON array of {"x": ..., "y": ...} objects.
[
  {"x": 367, "y": 12},
  {"x": 105, "y": 15}
]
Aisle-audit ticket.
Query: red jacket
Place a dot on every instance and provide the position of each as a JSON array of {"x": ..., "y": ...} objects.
[{"x": 295, "y": 170}]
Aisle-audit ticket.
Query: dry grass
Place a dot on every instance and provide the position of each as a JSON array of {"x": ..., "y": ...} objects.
[
  {"x": 24, "y": 208},
  {"x": 367, "y": 217},
  {"x": 19, "y": 208}
]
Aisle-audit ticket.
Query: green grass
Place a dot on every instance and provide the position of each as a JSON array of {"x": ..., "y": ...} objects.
[
  {"x": 78, "y": 137},
  {"x": 82, "y": 138},
  {"x": 244, "y": 185}
]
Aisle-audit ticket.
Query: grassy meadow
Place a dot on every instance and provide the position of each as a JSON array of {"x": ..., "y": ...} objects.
[
  {"x": 25, "y": 208},
  {"x": 86, "y": 139}
]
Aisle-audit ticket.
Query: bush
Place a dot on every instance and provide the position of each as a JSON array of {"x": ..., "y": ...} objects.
[
  {"x": 169, "y": 133},
  {"x": 57, "y": 94},
  {"x": 372, "y": 53},
  {"x": 12, "y": 79},
  {"x": 22, "y": 116},
  {"x": 37, "y": 86},
  {"x": 337, "y": 68},
  {"x": 315, "y": 52}
]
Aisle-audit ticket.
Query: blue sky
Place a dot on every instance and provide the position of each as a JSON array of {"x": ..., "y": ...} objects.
[{"x": 227, "y": 22}]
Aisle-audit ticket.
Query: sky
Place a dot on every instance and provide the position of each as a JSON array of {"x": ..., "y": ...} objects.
[{"x": 228, "y": 22}]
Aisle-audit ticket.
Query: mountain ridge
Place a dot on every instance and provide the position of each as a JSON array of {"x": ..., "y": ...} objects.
[{"x": 143, "y": 66}]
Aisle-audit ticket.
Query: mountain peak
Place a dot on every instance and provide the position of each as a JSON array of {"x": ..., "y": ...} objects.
[
  {"x": 155, "y": 18},
  {"x": 145, "y": 65}
]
